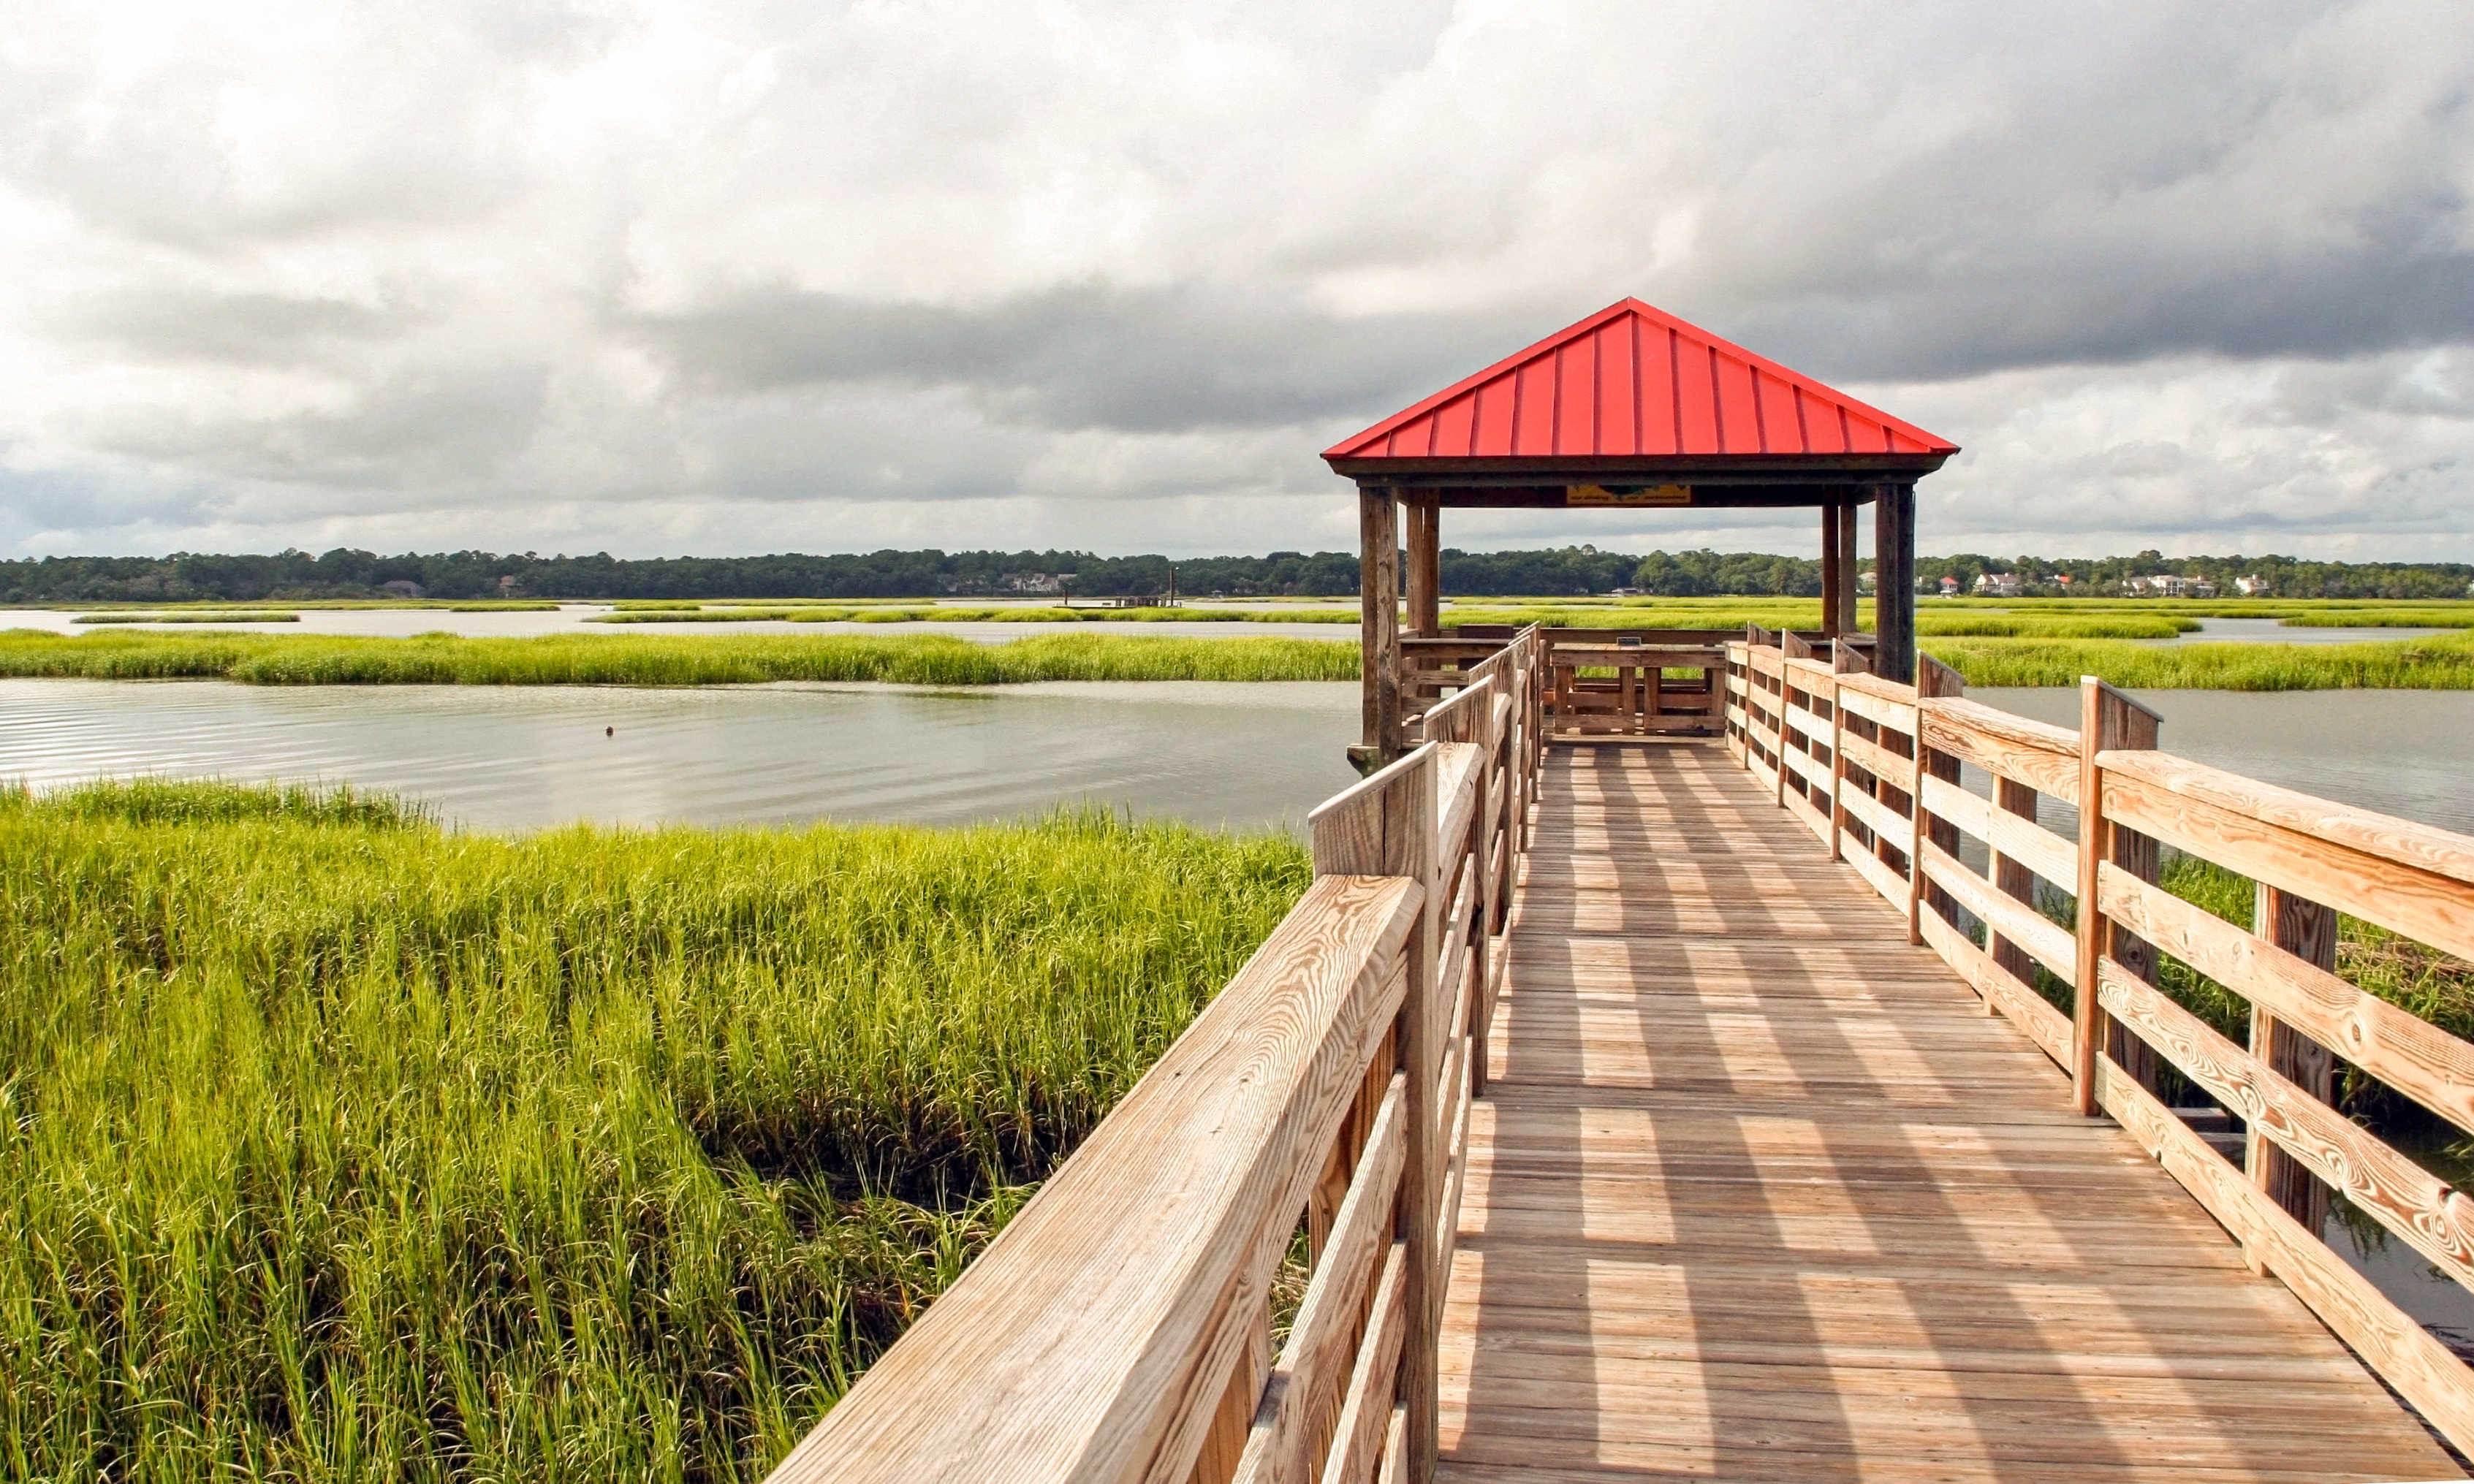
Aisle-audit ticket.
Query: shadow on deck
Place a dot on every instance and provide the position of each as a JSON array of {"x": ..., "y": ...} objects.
[{"x": 1758, "y": 1191}]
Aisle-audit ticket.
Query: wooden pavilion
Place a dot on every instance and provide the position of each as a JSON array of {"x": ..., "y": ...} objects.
[{"x": 1631, "y": 408}]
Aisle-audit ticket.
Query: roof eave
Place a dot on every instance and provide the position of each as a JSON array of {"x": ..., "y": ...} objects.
[{"x": 1668, "y": 469}]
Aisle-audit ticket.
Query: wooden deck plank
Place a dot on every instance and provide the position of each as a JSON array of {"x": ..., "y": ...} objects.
[{"x": 1758, "y": 1192}]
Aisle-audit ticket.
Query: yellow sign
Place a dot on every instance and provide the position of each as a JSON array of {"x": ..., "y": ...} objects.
[{"x": 1632, "y": 494}]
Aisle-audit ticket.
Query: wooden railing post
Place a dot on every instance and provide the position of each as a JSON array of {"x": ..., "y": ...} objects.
[
  {"x": 2308, "y": 931},
  {"x": 1838, "y": 764},
  {"x": 1423, "y": 1025},
  {"x": 2013, "y": 879},
  {"x": 1400, "y": 840},
  {"x": 2108, "y": 721},
  {"x": 1933, "y": 680}
]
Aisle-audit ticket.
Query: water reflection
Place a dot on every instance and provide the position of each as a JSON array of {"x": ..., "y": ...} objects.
[
  {"x": 1247, "y": 755},
  {"x": 2399, "y": 752}
]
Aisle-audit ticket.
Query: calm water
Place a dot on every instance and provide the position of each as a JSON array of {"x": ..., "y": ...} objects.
[
  {"x": 2407, "y": 752},
  {"x": 578, "y": 618},
  {"x": 2270, "y": 631},
  {"x": 1247, "y": 755}
]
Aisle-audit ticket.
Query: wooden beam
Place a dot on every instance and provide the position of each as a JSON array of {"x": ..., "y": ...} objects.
[
  {"x": 1830, "y": 570},
  {"x": 1847, "y": 585},
  {"x": 1378, "y": 609},
  {"x": 2307, "y": 930},
  {"x": 2108, "y": 721},
  {"x": 1893, "y": 579},
  {"x": 1425, "y": 566}
]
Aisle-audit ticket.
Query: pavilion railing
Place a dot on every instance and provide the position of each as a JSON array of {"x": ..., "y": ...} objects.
[
  {"x": 1121, "y": 1328},
  {"x": 1596, "y": 682},
  {"x": 2076, "y": 917}
]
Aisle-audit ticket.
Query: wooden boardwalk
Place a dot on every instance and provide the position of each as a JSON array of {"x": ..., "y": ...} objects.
[{"x": 1758, "y": 1192}]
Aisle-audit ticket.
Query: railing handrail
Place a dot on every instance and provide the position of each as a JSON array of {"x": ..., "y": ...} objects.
[
  {"x": 1118, "y": 1328},
  {"x": 1856, "y": 779}
]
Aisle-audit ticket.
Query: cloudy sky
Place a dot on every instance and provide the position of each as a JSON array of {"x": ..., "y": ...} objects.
[{"x": 667, "y": 277}]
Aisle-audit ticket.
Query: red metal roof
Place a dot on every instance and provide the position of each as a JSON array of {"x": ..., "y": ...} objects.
[{"x": 1631, "y": 381}]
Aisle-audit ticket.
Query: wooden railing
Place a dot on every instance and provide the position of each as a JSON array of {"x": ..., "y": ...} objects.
[
  {"x": 1595, "y": 682},
  {"x": 1873, "y": 768},
  {"x": 1120, "y": 1327}
]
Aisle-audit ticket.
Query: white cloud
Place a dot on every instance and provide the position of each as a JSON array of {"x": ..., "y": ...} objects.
[{"x": 723, "y": 276}]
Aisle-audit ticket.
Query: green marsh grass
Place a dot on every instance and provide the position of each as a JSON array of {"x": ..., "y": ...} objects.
[
  {"x": 700, "y": 660},
  {"x": 339, "y": 1146},
  {"x": 2443, "y": 663}
]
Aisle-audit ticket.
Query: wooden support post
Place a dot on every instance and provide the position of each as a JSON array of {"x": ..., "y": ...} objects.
[
  {"x": 1830, "y": 563},
  {"x": 2109, "y": 721},
  {"x": 2014, "y": 881},
  {"x": 1423, "y": 1025},
  {"x": 1378, "y": 609},
  {"x": 1837, "y": 769},
  {"x": 2307, "y": 930},
  {"x": 1425, "y": 566},
  {"x": 1933, "y": 678},
  {"x": 1893, "y": 579},
  {"x": 1847, "y": 584}
]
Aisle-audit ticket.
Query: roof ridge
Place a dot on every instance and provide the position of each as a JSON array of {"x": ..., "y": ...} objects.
[{"x": 1734, "y": 413}]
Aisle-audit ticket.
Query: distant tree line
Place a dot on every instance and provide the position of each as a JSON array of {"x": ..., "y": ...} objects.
[
  {"x": 2269, "y": 576},
  {"x": 1567, "y": 571}
]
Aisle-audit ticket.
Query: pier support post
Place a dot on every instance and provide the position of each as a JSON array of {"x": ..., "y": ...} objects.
[
  {"x": 2109, "y": 721},
  {"x": 1425, "y": 566},
  {"x": 2307, "y": 930},
  {"x": 1893, "y": 579},
  {"x": 1933, "y": 678},
  {"x": 1830, "y": 562},
  {"x": 1378, "y": 614},
  {"x": 1845, "y": 613}
]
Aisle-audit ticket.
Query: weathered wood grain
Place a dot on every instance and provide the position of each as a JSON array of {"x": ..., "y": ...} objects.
[
  {"x": 2408, "y": 1359},
  {"x": 2407, "y": 879},
  {"x": 1877, "y": 873},
  {"x": 2047, "y": 941},
  {"x": 1367, "y": 1414},
  {"x": 2048, "y": 854},
  {"x": 2409, "y": 1053},
  {"x": 2432, "y": 1218},
  {"x": 2048, "y": 1028},
  {"x": 1100, "y": 1317},
  {"x": 2045, "y": 759},
  {"x": 1302, "y": 1403},
  {"x": 1879, "y": 760}
]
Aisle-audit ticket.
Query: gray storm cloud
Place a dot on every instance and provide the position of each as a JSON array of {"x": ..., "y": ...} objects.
[{"x": 712, "y": 276}]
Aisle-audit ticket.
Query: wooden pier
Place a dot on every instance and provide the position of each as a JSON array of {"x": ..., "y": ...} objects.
[
  {"x": 1639, "y": 1106},
  {"x": 1757, "y": 1192}
]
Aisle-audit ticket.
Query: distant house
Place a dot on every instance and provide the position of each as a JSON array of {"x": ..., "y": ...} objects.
[
  {"x": 1997, "y": 584},
  {"x": 401, "y": 588},
  {"x": 2171, "y": 585},
  {"x": 2251, "y": 586},
  {"x": 1949, "y": 586},
  {"x": 1864, "y": 581}
]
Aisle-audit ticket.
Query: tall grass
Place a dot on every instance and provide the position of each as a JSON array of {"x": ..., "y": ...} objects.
[
  {"x": 338, "y": 1146},
  {"x": 698, "y": 660},
  {"x": 2445, "y": 663}
]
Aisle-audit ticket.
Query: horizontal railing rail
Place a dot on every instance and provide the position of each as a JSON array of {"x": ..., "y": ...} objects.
[
  {"x": 1873, "y": 769},
  {"x": 1120, "y": 1327},
  {"x": 1635, "y": 696}
]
